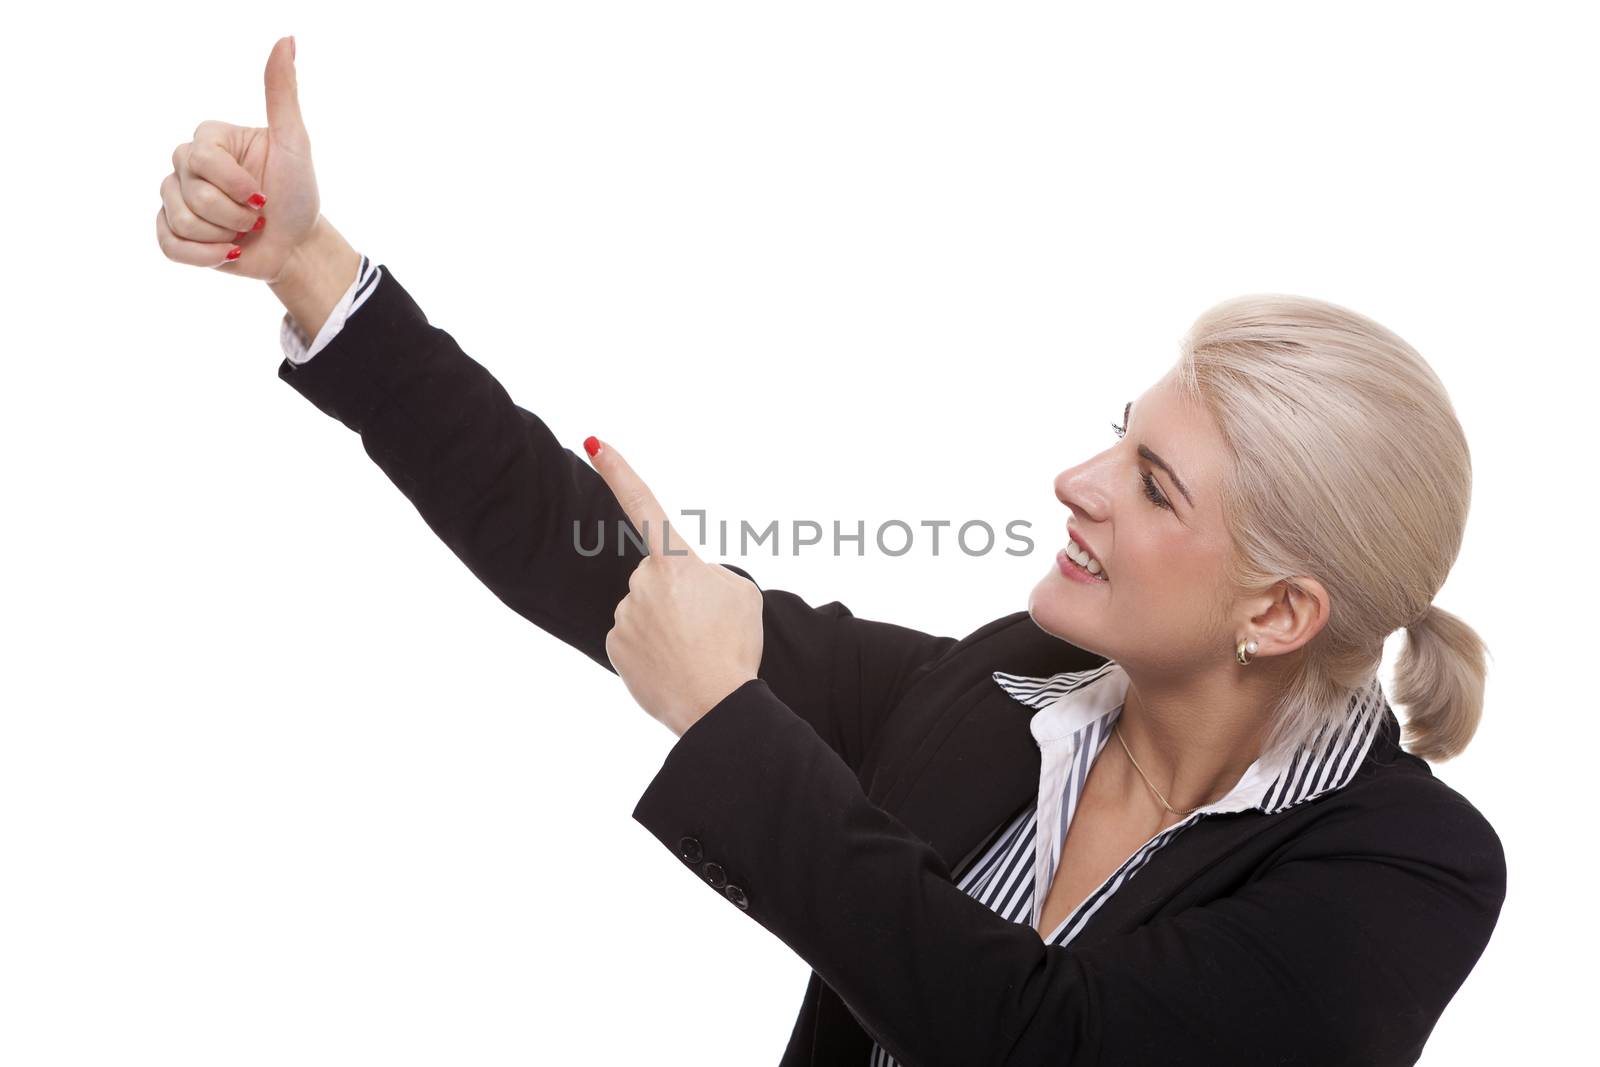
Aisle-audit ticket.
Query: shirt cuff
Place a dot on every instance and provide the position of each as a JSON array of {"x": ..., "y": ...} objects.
[{"x": 297, "y": 347}]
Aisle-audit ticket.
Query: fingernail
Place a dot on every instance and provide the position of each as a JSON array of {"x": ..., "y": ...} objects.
[
  {"x": 262, "y": 221},
  {"x": 233, "y": 253},
  {"x": 591, "y": 445},
  {"x": 257, "y": 200},
  {"x": 291, "y": 46}
]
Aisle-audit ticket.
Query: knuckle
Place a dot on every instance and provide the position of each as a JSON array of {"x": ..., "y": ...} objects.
[
  {"x": 206, "y": 202},
  {"x": 180, "y": 220}
]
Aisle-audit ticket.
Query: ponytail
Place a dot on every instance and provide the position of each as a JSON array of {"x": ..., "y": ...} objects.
[{"x": 1439, "y": 680}]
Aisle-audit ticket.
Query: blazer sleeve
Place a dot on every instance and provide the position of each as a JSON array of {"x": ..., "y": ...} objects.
[
  {"x": 498, "y": 488},
  {"x": 1345, "y": 952}
]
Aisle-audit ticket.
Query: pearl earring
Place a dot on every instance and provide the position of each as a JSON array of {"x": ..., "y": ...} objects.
[{"x": 1245, "y": 650}]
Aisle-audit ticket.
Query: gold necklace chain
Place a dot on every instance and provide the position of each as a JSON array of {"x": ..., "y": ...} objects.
[{"x": 1117, "y": 729}]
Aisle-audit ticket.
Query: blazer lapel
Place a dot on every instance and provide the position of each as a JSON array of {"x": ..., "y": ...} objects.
[
  {"x": 1198, "y": 848},
  {"x": 957, "y": 775}
]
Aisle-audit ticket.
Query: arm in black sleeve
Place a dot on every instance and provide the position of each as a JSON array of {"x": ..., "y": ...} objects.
[
  {"x": 498, "y": 488},
  {"x": 1344, "y": 952}
]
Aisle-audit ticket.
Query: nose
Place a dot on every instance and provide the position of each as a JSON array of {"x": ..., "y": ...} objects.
[{"x": 1075, "y": 489}]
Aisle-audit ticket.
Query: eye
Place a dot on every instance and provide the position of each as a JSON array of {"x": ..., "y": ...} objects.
[
  {"x": 1153, "y": 493},
  {"x": 1149, "y": 482}
]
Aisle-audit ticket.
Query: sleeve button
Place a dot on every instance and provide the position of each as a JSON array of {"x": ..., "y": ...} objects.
[
  {"x": 737, "y": 895},
  {"x": 715, "y": 874},
  {"x": 690, "y": 850}
]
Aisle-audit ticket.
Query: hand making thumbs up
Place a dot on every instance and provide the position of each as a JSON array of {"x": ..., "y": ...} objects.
[
  {"x": 689, "y": 632},
  {"x": 244, "y": 198}
]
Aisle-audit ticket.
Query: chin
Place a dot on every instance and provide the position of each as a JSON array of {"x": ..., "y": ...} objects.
[{"x": 1051, "y": 606}]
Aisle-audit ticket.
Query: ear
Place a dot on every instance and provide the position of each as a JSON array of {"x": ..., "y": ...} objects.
[{"x": 1288, "y": 615}]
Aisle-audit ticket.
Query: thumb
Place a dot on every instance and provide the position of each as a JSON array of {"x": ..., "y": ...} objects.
[
  {"x": 283, "y": 99},
  {"x": 638, "y": 503}
]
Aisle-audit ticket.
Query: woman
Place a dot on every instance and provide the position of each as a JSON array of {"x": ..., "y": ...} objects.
[{"x": 1165, "y": 815}]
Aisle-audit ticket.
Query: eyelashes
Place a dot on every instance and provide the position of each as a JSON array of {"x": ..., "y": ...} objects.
[
  {"x": 1153, "y": 493},
  {"x": 1150, "y": 489}
]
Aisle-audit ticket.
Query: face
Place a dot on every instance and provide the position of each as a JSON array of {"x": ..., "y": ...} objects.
[{"x": 1159, "y": 536}]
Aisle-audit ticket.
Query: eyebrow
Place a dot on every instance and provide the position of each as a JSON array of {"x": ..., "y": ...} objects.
[{"x": 1144, "y": 451}]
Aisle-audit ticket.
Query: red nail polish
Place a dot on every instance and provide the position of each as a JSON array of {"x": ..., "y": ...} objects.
[
  {"x": 262, "y": 221},
  {"x": 257, "y": 200},
  {"x": 591, "y": 445},
  {"x": 233, "y": 253}
]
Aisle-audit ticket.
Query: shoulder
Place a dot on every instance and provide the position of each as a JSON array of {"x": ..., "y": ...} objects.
[
  {"x": 1397, "y": 811},
  {"x": 1401, "y": 789}
]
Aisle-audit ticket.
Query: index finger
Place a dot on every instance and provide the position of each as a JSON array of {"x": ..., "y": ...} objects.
[
  {"x": 215, "y": 187},
  {"x": 212, "y": 158},
  {"x": 646, "y": 514}
]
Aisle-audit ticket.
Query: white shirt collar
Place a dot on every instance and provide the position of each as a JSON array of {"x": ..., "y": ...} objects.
[{"x": 1069, "y": 701}]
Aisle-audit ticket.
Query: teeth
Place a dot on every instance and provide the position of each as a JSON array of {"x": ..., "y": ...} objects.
[{"x": 1082, "y": 558}]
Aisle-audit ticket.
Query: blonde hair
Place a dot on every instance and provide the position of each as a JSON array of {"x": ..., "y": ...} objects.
[{"x": 1350, "y": 466}]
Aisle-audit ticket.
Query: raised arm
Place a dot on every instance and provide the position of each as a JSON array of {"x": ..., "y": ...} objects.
[
  {"x": 487, "y": 476},
  {"x": 501, "y": 491}
]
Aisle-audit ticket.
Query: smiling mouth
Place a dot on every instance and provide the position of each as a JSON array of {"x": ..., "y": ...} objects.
[{"x": 1085, "y": 562}]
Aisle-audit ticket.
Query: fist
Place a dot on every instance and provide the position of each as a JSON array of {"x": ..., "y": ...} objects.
[{"x": 245, "y": 187}]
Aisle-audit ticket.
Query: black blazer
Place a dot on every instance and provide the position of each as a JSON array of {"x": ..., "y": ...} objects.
[{"x": 831, "y": 797}]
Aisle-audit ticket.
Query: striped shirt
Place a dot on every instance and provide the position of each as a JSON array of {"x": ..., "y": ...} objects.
[
  {"x": 297, "y": 347},
  {"x": 1072, "y": 721},
  {"x": 1076, "y": 710}
]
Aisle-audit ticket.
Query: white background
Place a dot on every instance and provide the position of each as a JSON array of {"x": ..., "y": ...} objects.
[{"x": 281, "y": 783}]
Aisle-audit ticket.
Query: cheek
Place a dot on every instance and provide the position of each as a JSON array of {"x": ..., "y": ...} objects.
[
  {"x": 1180, "y": 590},
  {"x": 1164, "y": 586}
]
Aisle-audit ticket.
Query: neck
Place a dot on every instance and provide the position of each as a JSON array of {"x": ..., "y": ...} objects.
[{"x": 1194, "y": 736}]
